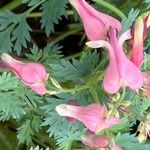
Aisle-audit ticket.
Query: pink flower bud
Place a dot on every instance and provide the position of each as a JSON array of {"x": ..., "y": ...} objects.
[
  {"x": 95, "y": 141},
  {"x": 139, "y": 29},
  {"x": 31, "y": 74},
  {"x": 92, "y": 116},
  {"x": 96, "y": 24}
]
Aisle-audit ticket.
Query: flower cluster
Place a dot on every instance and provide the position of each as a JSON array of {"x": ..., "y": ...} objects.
[{"x": 122, "y": 71}]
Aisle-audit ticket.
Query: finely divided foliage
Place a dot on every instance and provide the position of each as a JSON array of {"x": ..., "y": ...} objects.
[
  {"x": 51, "y": 14},
  {"x": 15, "y": 31},
  {"x": 34, "y": 117}
]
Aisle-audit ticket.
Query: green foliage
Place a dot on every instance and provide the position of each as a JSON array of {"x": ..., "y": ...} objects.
[
  {"x": 62, "y": 130},
  {"x": 130, "y": 142},
  {"x": 38, "y": 148},
  {"x": 13, "y": 29},
  {"x": 31, "y": 2},
  {"x": 8, "y": 82},
  {"x": 25, "y": 132},
  {"x": 51, "y": 14},
  {"x": 29, "y": 127},
  {"x": 147, "y": 2},
  {"x": 50, "y": 54},
  {"x": 77, "y": 70},
  {"x": 14, "y": 97},
  {"x": 127, "y": 22},
  {"x": 10, "y": 107}
]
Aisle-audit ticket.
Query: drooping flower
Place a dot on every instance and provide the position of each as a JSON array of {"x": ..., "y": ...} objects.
[
  {"x": 139, "y": 33},
  {"x": 96, "y": 24},
  {"x": 95, "y": 141},
  {"x": 92, "y": 116},
  {"x": 31, "y": 74},
  {"x": 121, "y": 72}
]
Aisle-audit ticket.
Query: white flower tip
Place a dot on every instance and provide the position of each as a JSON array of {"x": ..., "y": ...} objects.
[
  {"x": 61, "y": 109},
  {"x": 5, "y": 57},
  {"x": 97, "y": 44}
]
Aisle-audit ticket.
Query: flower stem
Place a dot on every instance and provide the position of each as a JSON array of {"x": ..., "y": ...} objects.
[
  {"x": 67, "y": 146},
  {"x": 66, "y": 34},
  {"x": 111, "y": 7},
  {"x": 123, "y": 93},
  {"x": 11, "y": 5}
]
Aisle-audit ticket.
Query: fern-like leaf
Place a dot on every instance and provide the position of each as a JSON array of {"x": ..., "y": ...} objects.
[{"x": 52, "y": 10}]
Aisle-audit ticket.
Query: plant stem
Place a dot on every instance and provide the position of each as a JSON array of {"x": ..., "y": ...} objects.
[
  {"x": 67, "y": 146},
  {"x": 66, "y": 34},
  {"x": 11, "y": 5},
  {"x": 123, "y": 93},
  {"x": 111, "y": 7}
]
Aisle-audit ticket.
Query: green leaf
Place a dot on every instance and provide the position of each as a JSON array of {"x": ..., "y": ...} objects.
[
  {"x": 77, "y": 70},
  {"x": 31, "y": 2},
  {"x": 25, "y": 132},
  {"x": 127, "y": 22},
  {"x": 50, "y": 54},
  {"x": 8, "y": 82},
  {"x": 13, "y": 29},
  {"x": 52, "y": 10},
  {"x": 21, "y": 35},
  {"x": 130, "y": 142},
  {"x": 38, "y": 148},
  {"x": 147, "y": 2},
  {"x": 11, "y": 107}
]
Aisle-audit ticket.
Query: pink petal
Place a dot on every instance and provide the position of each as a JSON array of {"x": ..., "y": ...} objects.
[
  {"x": 138, "y": 39},
  {"x": 96, "y": 24},
  {"x": 146, "y": 76},
  {"x": 130, "y": 74},
  {"x": 31, "y": 74},
  {"x": 91, "y": 116},
  {"x": 111, "y": 78},
  {"x": 11, "y": 63},
  {"x": 95, "y": 141},
  {"x": 106, "y": 19}
]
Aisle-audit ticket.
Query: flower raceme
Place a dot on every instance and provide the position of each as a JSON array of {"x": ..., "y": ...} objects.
[
  {"x": 93, "y": 116},
  {"x": 121, "y": 72},
  {"x": 31, "y": 74},
  {"x": 96, "y": 24},
  {"x": 139, "y": 33}
]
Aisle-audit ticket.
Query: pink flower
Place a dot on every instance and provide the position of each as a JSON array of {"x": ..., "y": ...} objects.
[
  {"x": 92, "y": 116},
  {"x": 31, "y": 74},
  {"x": 72, "y": 102},
  {"x": 116, "y": 147},
  {"x": 121, "y": 72},
  {"x": 95, "y": 141},
  {"x": 96, "y": 24},
  {"x": 139, "y": 34},
  {"x": 146, "y": 85}
]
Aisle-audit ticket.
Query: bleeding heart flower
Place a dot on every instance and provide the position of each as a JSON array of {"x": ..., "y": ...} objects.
[
  {"x": 139, "y": 33},
  {"x": 92, "y": 116},
  {"x": 121, "y": 72},
  {"x": 95, "y": 141},
  {"x": 96, "y": 24},
  {"x": 31, "y": 74}
]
